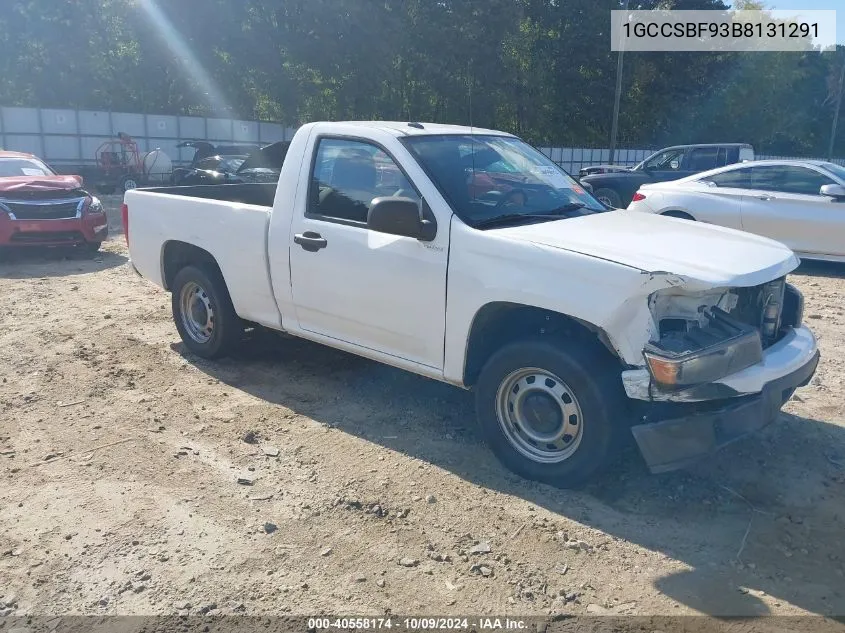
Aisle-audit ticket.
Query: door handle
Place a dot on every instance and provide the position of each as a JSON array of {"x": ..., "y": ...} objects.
[
  {"x": 310, "y": 241},
  {"x": 765, "y": 197}
]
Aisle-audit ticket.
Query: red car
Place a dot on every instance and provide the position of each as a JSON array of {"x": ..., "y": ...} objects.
[{"x": 38, "y": 207}]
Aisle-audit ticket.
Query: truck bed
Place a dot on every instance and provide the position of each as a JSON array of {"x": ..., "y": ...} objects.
[
  {"x": 260, "y": 194},
  {"x": 229, "y": 221}
]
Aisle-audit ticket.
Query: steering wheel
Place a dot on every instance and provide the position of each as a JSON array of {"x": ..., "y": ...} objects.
[{"x": 509, "y": 195}]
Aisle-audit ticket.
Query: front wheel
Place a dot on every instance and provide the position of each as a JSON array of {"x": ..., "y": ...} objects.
[
  {"x": 609, "y": 197},
  {"x": 552, "y": 411},
  {"x": 203, "y": 312}
]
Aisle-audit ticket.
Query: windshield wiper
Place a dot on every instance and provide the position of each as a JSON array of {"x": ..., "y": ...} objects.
[
  {"x": 569, "y": 206},
  {"x": 505, "y": 218}
]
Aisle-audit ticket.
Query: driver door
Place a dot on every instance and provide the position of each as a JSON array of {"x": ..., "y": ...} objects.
[
  {"x": 384, "y": 293},
  {"x": 666, "y": 165}
]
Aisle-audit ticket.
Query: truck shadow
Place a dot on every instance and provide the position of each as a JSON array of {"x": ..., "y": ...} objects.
[
  {"x": 763, "y": 516},
  {"x": 59, "y": 261},
  {"x": 811, "y": 268}
]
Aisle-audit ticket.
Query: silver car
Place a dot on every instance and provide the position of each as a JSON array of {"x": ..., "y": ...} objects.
[{"x": 798, "y": 202}]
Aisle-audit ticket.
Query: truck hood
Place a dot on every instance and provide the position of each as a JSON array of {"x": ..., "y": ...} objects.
[
  {"x": 39, "y": 183},
  {"x": 712, "y": 255},
  {"x": 611, "y": 168}
]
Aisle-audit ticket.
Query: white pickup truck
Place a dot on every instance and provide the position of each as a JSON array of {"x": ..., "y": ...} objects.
[{"x": 466, "y": 256}]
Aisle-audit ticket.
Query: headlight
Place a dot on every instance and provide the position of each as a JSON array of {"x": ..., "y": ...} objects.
[
  {"x": 703, "y": 354},
  {"x": 95, "y": 206}
]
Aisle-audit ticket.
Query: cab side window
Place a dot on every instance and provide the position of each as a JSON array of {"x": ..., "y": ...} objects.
[
  {"x": 736, "y": 178},
  {"x": 702, "y": 158},
  {"x": 347, "y": 175},
  {"x": 789, "y": 179},
  {"x": 668, "y": 160}
]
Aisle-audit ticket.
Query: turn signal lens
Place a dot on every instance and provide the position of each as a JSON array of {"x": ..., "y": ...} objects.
[
  {"x": 664, "y": 371},
  {"x": 637, "y": 197}
]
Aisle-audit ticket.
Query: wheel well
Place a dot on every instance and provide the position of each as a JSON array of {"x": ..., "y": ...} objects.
[
  {"x": 177, "y": 255},
  {"x": 499, "y": 323},
  {"x": 675, "y": 213}
]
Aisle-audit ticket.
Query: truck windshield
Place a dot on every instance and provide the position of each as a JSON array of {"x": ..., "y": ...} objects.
[
  {"x": 11, "y": 167},
  {"x": 486, "y": 176}
]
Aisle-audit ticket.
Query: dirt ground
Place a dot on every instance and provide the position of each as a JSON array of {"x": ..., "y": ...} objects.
[{"x": 295, "y": 479}]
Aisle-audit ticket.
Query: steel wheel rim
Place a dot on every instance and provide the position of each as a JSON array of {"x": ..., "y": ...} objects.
[
  {"x": 539, "y": 415},
  {"x": 197, "y": 313},
  {"x": 604, "y": 200},
  {"x": 130, "y": 184}
]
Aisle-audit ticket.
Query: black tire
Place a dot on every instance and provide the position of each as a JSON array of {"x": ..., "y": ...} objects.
[
  {"x": 586, "y": 371},
  {"x": 129, "y": 182},
  {"x": 92, "y": 247},
  {"x": 609, "y": 197},
  {"x": 678, "y": 214},
  {"x": 227, "y": 330}
]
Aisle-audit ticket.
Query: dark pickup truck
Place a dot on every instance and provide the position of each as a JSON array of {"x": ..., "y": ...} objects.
[{"x": 615, "y": 185}]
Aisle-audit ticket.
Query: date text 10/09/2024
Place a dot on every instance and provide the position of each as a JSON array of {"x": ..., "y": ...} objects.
[{"x": 416, "y": 624}]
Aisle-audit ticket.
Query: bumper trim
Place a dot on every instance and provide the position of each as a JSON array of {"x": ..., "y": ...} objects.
[
  {"x": 789, "y": 354},
  {"x": 678, "y": 440}
]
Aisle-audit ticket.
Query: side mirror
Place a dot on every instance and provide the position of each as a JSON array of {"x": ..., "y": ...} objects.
[
  {"x": 400, "y": 216},
  {"x": 837, "y": 192}
]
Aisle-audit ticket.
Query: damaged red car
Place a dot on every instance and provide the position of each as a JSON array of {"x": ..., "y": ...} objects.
[{"x": 39, "y": 207}]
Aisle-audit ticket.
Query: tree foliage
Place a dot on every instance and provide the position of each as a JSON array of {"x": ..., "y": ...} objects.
[{"x": 541, "y": 68}]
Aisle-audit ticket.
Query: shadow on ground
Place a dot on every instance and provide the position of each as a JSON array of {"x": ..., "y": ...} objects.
[
  {"x": 764, "y": 515},
  {"x": 59, "y": 261},
  {"x": 810, "y": 268}
]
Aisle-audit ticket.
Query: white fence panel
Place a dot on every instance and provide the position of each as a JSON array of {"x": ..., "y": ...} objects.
[
  {"x": 64, "y": 136},
  {"x": 95, "y": 123}
]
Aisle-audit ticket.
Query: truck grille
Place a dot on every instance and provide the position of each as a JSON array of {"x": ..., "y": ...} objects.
[
  {"x": 24, "y": 237},
  {"x": 46, "y": 210}
]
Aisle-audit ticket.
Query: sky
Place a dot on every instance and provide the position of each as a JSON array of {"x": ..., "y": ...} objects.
[{"x": 838, "y": 5}]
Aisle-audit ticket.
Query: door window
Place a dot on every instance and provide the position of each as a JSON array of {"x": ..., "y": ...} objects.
[
  {"x": 347, "y": 175},
  {"x": 668, "y": 160},
  {"x": 736, "y": 178},
  {"x": 702, "y": 158},
  {"x": 788, "y": 179}
]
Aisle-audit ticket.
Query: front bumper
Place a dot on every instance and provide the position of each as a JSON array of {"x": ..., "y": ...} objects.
[
  {"x": 86, "y": 229},
  {"x": 790, "y": 353},
  {"x": 676, "y": 434}
]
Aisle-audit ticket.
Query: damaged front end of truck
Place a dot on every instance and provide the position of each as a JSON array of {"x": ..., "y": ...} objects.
[{"x": 719, "y": 364}]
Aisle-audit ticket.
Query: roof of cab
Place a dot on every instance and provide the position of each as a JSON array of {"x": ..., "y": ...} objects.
[
  {"x": 423, "y": 129},
  {"x": 7, "y": 154}
]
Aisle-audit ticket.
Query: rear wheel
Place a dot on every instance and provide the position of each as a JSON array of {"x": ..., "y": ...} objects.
[
  {"x": 128, "y": 183},
  {"x": 92, "y": 247},
  {"x": 609, "y": 197},
  {"x": 203, "y": 312},
  {"x": 552, "y": 411}
]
